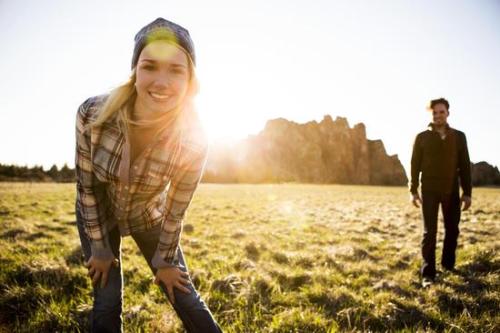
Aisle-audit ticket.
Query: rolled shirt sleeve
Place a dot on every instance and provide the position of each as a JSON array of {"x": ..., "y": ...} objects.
[
  {"x": 87, "y": 190},
  {"x": 183, "y": 184}
]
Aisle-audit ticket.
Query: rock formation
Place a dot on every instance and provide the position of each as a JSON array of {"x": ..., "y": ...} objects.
[
  {"x": 325, "y": 152},
  {"x": 485, "y": 174}
]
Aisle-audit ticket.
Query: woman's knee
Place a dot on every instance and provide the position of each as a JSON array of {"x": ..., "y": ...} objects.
[
  {"x": 107, "y": 299},
  {"x": 188, "y": 302},
  {"x": 110, "y": 297}
]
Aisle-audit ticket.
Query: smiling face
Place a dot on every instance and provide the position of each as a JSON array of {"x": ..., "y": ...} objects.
[
  {"x": 162, "y": 78},
  {"x": 440, "y": 114}
]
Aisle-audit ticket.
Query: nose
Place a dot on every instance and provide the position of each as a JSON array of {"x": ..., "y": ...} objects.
[{"x": 161, "y": 81}]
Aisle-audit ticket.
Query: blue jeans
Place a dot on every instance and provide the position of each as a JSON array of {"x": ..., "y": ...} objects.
[{"x": 106, "y": 313}]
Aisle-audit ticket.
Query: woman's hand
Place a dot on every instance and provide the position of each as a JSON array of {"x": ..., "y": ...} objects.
[
  {"x": 100, "y": 269},
  {"x": 173, "y": 277}
]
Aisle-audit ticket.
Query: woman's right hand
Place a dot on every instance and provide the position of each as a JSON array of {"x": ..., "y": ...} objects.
[
  {"x": 173, "y": 277},
  {"x": 99, "y": 269}
]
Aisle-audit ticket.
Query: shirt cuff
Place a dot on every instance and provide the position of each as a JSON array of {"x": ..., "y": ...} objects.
[
  {"x": 158, "y": 262},
  {"x": 101, "y": 250}
]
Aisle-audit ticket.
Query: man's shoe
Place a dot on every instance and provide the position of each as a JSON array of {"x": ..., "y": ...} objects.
[
  {"x": 427, "y": 282},
  {"x": 450, "y": 269}
]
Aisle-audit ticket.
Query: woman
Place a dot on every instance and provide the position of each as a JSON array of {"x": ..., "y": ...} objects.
[{"x": 139, "y": 157}]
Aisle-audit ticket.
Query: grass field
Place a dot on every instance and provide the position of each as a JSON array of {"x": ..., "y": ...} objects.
[{"x": 266, "y": 258}]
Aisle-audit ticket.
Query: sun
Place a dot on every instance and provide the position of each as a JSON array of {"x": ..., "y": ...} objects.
[{"x": 226, "y": 127}]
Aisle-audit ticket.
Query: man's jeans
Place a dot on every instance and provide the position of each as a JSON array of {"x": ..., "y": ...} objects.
[
  {"x": 106, "y": 313},
  {"x": 450, "y": 205}
]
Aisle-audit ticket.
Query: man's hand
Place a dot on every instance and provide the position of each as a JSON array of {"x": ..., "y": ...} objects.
[
  {"x": 99, "y": 269},
  {"x": 173, "y": 277},
  {"x": 415, "y": 200},
  {"x": 467, "y": 201}
]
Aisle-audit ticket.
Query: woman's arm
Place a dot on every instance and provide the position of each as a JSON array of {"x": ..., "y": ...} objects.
[
  {"x": 86, "y": 186},
  {"x": 183, "y": 184}
]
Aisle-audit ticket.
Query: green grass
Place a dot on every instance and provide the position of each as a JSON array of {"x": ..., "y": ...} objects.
[{"x": 266, "y": 258}]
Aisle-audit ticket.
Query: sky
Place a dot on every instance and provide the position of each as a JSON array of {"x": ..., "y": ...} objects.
[{"x": 376, "y": 62}]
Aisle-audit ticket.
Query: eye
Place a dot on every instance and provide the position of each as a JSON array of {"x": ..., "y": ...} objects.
[
  {"x": 148, "y": 67},
  {"x": 178, "y": 70}
]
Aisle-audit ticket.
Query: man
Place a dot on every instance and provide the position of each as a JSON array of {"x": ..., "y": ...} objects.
[{"x": 440, "y": 154}]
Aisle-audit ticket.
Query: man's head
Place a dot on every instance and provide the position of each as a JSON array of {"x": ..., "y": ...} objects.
[{"x": 440, "y": 111}]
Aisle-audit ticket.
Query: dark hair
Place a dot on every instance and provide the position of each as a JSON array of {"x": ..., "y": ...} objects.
[{"x": 441, "y": 100}]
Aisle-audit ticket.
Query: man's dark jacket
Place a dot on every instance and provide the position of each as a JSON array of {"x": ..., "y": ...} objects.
[{"x": 441, "y": 161}]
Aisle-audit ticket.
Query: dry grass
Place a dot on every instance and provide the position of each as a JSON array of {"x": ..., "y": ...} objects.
[{"x": 266, "y": 258}]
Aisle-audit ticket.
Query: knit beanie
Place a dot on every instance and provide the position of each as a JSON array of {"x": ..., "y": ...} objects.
[{"x": 161, "y": 29}]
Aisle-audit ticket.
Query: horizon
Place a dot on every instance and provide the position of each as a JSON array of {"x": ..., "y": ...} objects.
[
  {"x": 217, "y": 141},
  {"x": 222, "y": 141},
  {"x": 378, "y": 64}
]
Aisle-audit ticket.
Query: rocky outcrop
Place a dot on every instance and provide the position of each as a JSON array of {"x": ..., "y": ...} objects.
[
  {"x": 485, "y": 174},
  {"x": 325, "y": 152}
]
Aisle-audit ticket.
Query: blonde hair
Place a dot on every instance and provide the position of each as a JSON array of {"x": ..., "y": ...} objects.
[{"x": 121, "y": 102}]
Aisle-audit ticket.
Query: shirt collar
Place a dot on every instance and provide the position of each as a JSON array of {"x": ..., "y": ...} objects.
[{"x": 431, "y": 127}]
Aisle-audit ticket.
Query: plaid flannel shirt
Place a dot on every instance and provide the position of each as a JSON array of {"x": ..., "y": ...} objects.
[{"x": 155, "y": 190}]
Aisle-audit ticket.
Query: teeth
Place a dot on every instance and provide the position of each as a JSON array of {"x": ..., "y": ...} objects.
[{"x": 159, "y": 96}]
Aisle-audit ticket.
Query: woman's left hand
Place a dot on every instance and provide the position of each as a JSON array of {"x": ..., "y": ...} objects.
[{"x": 173, "y": 277}]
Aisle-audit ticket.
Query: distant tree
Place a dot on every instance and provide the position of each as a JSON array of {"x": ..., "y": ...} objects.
[
  {"x": 66, "y": 174},
  {"x": 53, "y": 173},
  {"x": 8, "y": 171},
  {"x": 22, "y": 172},
  {"x": 36, "y": 173}
]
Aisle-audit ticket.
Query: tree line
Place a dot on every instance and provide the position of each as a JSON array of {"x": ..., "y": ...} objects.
[
  {"x": 482, "y": 174},
  {"x": 36, "y": 173}
]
